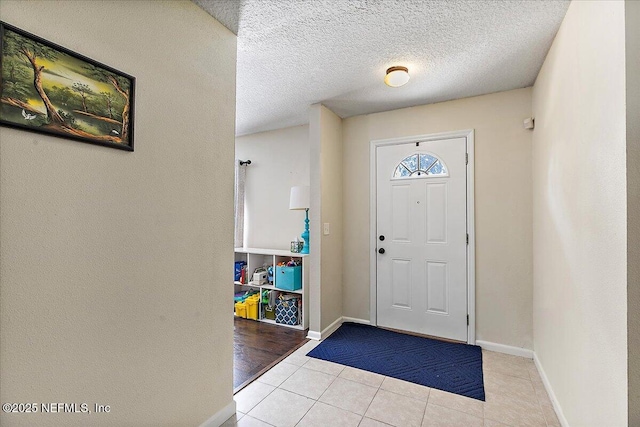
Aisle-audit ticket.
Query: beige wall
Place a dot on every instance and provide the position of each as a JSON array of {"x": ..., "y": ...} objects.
[
  {"x": 279, "y": 161},
  {"x": 632, "y": 54},
  {"x": 115, "y": 266},
  {"x": 331, "y": 187},
  {"x": 579, "y": 213},
  {"x": 315, "y": 212},
  {"x": 326, "y": 260},
  {"x": 503, "y": 204}
]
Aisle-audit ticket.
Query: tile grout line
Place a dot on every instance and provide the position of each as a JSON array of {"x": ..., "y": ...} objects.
[
  {"x": 370, "y": 403},
  {"x": 314, "y": 400},
  {"x": 351, "y": 412},
  {"x": 399, "y": 394},
  {"x": 379, "y": 387},
  {"x": 260, "y": 401},
  {"x": 426, "y": 405},
  {"x": 325, "y": 390},
  {"x": 537, "y": 398},
  {"x": 254, "y": 418},
  {"x": 461, "y": 412},
  {"x": 282, "y": 389},
  {"x": 278, "y": 386},
  {"x": 523, "y": 401}
]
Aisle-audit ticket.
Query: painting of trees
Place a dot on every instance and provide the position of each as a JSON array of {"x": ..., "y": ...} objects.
[
  {"x": 84, "y": 91},
  {"x": 108, "y": 98},
  {"x": 120, "y": 84},
  {"x": 16, "y": 79},
  {"x": 31, "y": 51},
  {"x": 47, "y": 88}
]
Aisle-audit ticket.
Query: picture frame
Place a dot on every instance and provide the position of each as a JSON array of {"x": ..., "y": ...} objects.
[{"x": 49, "y": 89}]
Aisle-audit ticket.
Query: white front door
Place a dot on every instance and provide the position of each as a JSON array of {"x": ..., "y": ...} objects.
[{"x": 422, "y": 238}]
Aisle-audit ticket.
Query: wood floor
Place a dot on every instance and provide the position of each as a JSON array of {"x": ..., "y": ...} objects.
[{"x": 258, "y": 346}]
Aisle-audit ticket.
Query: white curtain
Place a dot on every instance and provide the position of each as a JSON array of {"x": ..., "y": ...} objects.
[{"x": 239, "y": 205}]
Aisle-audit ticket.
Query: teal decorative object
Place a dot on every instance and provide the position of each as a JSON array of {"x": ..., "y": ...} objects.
[
  {"x": 300, "y": 200},
  {"x": 305, "y": 233}
]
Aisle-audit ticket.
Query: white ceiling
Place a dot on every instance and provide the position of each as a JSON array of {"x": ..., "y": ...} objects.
[{"x": 294, "y": 53}]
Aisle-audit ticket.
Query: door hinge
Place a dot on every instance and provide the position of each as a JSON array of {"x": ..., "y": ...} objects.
[
  {"x": 467, "y": 320},
  {"x": 467, "y": 238},
  {"x": 466, "y": 158}
]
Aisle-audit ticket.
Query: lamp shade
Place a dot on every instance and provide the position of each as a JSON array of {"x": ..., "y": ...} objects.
[{"x": 299, "y": 197}]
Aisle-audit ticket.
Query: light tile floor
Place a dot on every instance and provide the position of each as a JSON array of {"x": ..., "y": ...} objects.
[{"x": 306, "y": 392}]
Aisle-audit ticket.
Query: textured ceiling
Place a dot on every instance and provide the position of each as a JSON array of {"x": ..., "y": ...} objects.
[{"x": 294, "y": 53}]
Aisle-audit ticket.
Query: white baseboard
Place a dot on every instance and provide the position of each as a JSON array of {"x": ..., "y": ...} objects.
[
  {"x": 319, "y": 336},
  {"x": 331, "y": 328},
  {"x": 506, "y": 349},
  {"x": 221, "y": 416},
  {"x": 552, "y": 395},
  {"x": 313, "y": 335},
  {"x": 356, "y": 320}
]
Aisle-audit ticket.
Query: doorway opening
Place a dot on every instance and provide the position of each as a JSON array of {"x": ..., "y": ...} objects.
[{"x": 257, "y": 347}]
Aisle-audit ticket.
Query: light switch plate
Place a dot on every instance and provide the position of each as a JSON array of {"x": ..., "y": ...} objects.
[{"x": 325, "y": 229}]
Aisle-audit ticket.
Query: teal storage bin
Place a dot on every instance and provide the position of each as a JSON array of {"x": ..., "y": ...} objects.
[{"x": 289, "y": 278}]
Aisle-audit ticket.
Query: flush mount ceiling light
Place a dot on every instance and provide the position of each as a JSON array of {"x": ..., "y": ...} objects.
[{"x": 397, "y": 76}]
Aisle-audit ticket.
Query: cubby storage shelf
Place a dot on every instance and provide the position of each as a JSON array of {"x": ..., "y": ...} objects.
[
  {"x": 257, "y": 257},
  {"x": 247, "y": 285},
  {"x": 273, "y": 322},
  {"x": 273, "y": 288}
]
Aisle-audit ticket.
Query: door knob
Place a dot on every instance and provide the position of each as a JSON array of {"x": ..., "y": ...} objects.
[{"x": 381, "y": 250}]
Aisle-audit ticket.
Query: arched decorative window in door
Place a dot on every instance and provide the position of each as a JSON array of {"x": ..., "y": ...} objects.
[{"x": 420, "y": 165}]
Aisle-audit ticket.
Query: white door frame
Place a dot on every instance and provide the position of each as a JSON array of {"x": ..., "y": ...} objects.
[{"x": 471, "y": 251}]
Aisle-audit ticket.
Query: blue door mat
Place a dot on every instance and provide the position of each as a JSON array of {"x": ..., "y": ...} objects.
[{"x": 452, "y": 367}]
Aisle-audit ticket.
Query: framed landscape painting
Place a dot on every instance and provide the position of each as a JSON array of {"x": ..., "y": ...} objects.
[{"x": 49, "y": 89}]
